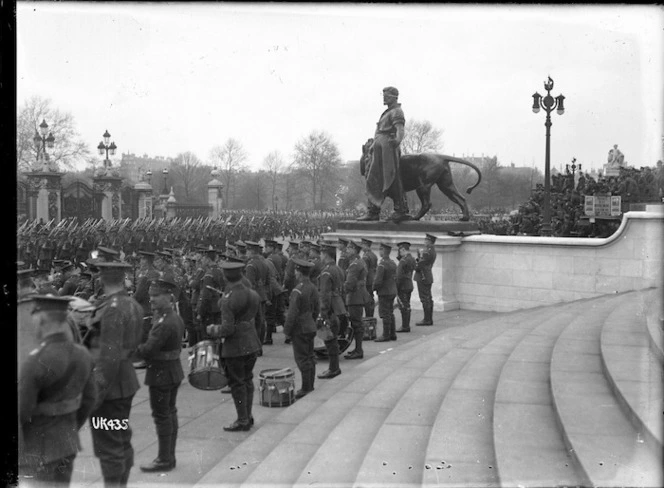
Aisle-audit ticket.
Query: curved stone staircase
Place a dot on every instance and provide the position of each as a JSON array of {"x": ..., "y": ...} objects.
[{"x": 568, "y": 395}]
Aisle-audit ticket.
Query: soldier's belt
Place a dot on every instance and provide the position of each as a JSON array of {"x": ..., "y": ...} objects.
[
  {"x": 61, "y": 407},
  {"x": 166, "y": 355}
]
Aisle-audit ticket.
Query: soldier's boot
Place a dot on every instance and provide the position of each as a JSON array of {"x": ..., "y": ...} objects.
[
  {"x": 405, "y": 321},
  {"x": 250, "y": 404},
  {"x": 242, "y": 422},
  {"x": 387, "y": 330},
  {"x": 268, "y": 335},
  {"x": 174, "y": 439},
  {"x": 393, "y": 328},
  {"x": 357, "y": 353},
  {"x": 430, "y": 312},
  {"x": 400, "y": 209},
  {"x": 308, "y": 376},
  {"x": 163, "y": 462},
  {"x": 427, "y": 315}
]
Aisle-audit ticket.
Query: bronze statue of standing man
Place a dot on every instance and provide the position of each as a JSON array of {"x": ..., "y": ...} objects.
[{"x": 383, "y": 177}]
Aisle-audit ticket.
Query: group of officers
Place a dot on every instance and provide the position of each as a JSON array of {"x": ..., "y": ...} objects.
[{"x": 140, "y": 309}]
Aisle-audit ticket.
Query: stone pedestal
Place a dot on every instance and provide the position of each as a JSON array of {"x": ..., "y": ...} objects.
[
  {"x": 111, "y": 201},
  {"x": 144, "y": 191},
  {"x": 448, "y": 242},
  {"x": 45, "y": 195},
  {"x": 170, "y": 205},
  {"x": 215, "y": 199}
]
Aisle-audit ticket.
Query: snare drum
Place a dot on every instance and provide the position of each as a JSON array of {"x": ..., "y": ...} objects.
[
  {"x": 205, "y": 371},
  {"x": 277, "y": 387}
]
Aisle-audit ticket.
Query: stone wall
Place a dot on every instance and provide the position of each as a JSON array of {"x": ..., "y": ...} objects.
[
  {"x": 500, "y": 273},
  {"x": 505, "y": 273}
]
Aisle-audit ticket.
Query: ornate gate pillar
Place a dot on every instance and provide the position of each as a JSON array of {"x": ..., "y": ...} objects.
[
  {"x": 214, "y": 195},
  {"x": 44, "y": 195},
  {"x": 111, "y": 202},
  {"x": 144, "y": 191}
]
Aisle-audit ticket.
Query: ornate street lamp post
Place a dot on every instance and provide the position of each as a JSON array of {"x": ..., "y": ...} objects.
[
  {"x": 549, "y": 104},
  {"x": 42, "y": 142},
  {"x": 570, "y": 169},
  {"x": 105, "y": 147},
  {"x": 165, "y": 189}
]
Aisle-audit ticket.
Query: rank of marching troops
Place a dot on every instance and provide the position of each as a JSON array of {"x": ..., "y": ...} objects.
[{"x": 144, "y": 306}]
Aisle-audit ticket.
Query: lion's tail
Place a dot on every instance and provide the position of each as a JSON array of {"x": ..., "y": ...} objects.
[{"x": 452, "y": 159}]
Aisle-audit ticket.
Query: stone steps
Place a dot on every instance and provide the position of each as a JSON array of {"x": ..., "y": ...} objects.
[
  {"x": 529, "y": 449},
  {"x": 633, "y": 370},
  {"x": 654, "y": 307},
  {"x": 604, "y": 443}
]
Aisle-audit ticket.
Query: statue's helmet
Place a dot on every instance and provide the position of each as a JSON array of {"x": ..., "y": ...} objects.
[{"x": 390, "y": 90}]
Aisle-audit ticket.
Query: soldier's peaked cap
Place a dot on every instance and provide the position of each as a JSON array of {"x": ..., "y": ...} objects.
[
  {"x": 232, "y": 266},
  {"x": 301, "y": 263},
  {"x": 112, "y": 267},
  {"x": 343, "y": 241},
  {"x": 366, "y": 241},
  {"x": 49, "y": 303},
  {"x": 385, "y": 245},
  {"x": 270, "y": 242},
  {"x": 354, "y": 245},
  {"x": 252, "y": 245},
  {"x": 108, "y": 252},
  {"x": 404, "y": 244},
  {"x": 166, "y": 284},
  {"x": 431, "y": 238},
  {"x": 293, "y": 244}
]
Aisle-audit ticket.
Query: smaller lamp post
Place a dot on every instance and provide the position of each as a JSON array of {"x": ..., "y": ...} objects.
[
  {"x": 105, "y": 147},
  {"x": 42, "y": 142}
]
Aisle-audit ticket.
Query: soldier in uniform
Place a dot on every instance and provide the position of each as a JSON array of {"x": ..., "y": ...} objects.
[
  {"x": 114, "y": 334},
  {"x": 42, "y": 282},
  {"x": 207, "y": 309},
  {"x": 300, "y": 325},
  {"x": 147, "y": 274},
  {"x": 314, "y": 257},
  {"x": 343, "y": 260},
  {"x": 257, "y": 274},
  {"x": 239, "y": 309},
  {"x": 332, "y": 306},
  {"x": 385, "y": 286},
  {"x": 70, "y": 279},
  {"x": 56, "y": 394},
  {"x": 424, "y": 278},
  {"x": 405, "y": 270},
  {"x": 356, "y": 296},
  {"x": 289, "y": 270},
  {"x": 164, "y": 372},
  {"x": 371, "y": 261},
  {"x": 275, "y": 292}
]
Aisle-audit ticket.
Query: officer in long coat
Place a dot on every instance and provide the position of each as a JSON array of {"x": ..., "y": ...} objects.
[
  {"x": 371, "y": 261},
  {"x": 385, "y": 285},
  {"x": 300, "y": 324},
  {"x": 424, "y": 278},
  {"x": 356, "y": 296},
  {"x": 56, "y": 394},
  {"x": 164, "y": 370},
  {"x": 114, "y": 335},
  {"x": 405, "y": 269},
  {"x": 330, "y": 286},
  {"x": 239, "y": 309}
]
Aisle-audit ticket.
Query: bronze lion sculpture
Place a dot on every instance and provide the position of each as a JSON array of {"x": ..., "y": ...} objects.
[{"x": 419, "y": 172}]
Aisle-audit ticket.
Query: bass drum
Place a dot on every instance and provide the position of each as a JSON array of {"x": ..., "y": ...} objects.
[{"x": 344, "y": 343}]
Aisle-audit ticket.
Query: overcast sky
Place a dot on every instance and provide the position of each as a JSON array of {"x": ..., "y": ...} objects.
[{"x": 168, "y": 78}]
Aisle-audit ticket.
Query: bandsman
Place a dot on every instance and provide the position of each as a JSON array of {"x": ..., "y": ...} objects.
[
  {"x": 405, "y": 269},
  {"x": 385, "y": 286},
  {"x": 424, "y": 278}
]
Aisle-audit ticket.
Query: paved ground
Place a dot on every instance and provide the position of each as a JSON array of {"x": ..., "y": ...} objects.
[
  {"x": 564, "y": 395},
  {"x": 202, "y": 442}
]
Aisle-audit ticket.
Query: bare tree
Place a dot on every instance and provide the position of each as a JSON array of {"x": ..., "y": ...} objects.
[
  {"x": 317, "y": 157},
  {"x": 229, "y": 158},
  {"x": 420, "y": 137},
  {"x": 68, "y": 148},
  {"x": 187, "y": 171},
  {"x": 274, "y": 165}
]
